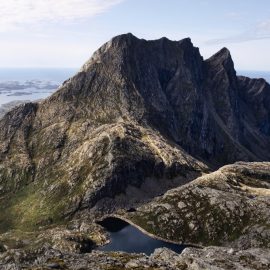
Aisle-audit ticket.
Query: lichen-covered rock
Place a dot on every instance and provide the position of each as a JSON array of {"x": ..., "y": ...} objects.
[
  {"x": 214, "y": 258},
  {"x": 76, "y": 236},
  {"x": 226, "y": 207},
  {"x": 211, "y": 258}
]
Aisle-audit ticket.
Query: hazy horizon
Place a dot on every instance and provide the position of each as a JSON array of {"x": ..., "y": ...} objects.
[{"x": 65, "y": 33}]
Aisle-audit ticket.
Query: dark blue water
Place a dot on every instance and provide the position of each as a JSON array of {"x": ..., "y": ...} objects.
[{"x": 127, "y": 238}]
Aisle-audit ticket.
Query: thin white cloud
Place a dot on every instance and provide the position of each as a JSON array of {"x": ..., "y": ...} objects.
[
  {"x": 20, "y": 13},
  {"x": 258, "y": 32}
]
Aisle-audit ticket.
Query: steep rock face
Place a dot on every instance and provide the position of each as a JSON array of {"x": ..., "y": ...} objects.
[
  {"x": 16, "y": 167},
  {"x": 201, "y": 105},
  {"x": 226, "y": 207},
  {"x": 238, "y": 118}
]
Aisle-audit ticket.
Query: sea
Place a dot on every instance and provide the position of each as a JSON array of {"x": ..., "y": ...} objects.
[{"x": 29, "y": 84}]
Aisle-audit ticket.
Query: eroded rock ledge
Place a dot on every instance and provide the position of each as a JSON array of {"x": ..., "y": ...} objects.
[{"x": 227, "y": 207}]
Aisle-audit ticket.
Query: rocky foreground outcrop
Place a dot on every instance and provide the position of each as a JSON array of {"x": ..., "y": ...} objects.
[
  {"x": 140, "y": 119},
  {"x": 211, "y": 258},
  {"x": 228, "y": 207}
]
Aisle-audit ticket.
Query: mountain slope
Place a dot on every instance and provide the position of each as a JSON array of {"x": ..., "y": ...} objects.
[
  {"x": 137, "y": 111},
  {"x": 227, "y": 207}
]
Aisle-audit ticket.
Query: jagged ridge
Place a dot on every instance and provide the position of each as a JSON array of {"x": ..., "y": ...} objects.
[{"x": 136, "y": 110}]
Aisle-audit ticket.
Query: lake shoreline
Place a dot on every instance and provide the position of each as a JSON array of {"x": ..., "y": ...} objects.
[{"x": 130, "y": 222}]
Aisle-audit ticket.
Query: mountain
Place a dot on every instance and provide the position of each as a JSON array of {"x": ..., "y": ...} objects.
[
  {"x": 140, "y": 118},
  {"x": 200, "y": 105}
]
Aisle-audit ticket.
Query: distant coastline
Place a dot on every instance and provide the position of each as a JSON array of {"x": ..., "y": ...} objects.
[{"x": 20, "y": 85}]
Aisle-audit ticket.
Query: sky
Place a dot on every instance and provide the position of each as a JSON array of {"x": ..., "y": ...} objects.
[{"x": 65, "y": 33}]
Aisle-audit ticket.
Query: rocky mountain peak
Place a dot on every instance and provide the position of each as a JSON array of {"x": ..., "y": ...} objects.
[
  {"x": 166, "y": 85},
  {"x": 223, "y": 53},
  {"x": 186, "y": 42},
  {"x": 127, "y": 45},
  {"x": 128, "y": 37},
  {"x": 223, "y": 59}
]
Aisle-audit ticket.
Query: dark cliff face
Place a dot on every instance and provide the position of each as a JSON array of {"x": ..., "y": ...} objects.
[
  {"x": 237, "y": 122},
  {"x": 200, "y": 105},
  {"x": 136, "y": 110},
  {"x": 131, "y": 78}
]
